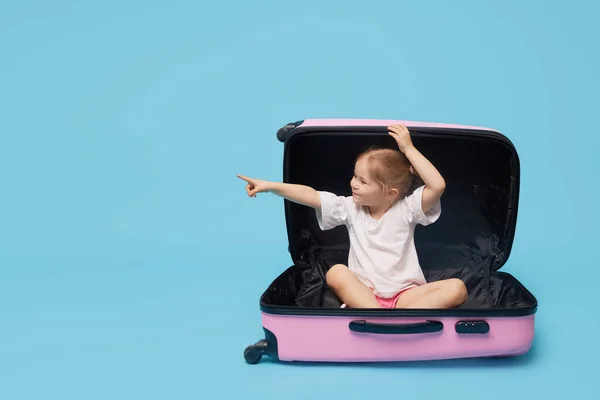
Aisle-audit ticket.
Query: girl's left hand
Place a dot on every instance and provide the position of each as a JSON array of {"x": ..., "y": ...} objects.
[{"x": 402, "y": 136}]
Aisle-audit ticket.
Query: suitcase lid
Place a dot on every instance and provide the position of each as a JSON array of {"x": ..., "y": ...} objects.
[{"x": 479, "y": 207}]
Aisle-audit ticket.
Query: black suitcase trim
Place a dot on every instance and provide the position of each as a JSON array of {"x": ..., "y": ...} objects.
[
  {"x": 293, "y": 128},
  {"x": 345, "y": 312},
  {"x": 389, "y": 313}
]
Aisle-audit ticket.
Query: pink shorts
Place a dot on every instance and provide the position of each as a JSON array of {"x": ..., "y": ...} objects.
[{"x": 390, "y": 302}]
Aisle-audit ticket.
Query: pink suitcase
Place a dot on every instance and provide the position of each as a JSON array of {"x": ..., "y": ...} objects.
[{"x": 472, "y": 239}]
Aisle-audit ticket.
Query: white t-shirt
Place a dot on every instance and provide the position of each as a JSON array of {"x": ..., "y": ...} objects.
[{"x": 382, "y": 252}]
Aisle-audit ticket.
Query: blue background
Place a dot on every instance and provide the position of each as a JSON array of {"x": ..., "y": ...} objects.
[{"x": 131, "y": 260}]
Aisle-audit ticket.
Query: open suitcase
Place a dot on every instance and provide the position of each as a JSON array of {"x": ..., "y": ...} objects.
[{"x": 472, "y": 240}]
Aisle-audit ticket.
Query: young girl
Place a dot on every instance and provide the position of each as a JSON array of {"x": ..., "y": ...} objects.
[{"x": 383, "y": 269}]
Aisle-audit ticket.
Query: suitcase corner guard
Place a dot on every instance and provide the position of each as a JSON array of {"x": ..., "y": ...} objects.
[{"x": 265, "y": 347}]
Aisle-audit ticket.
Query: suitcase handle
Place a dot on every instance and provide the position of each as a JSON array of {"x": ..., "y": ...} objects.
[{"x": 396, "y": 329}]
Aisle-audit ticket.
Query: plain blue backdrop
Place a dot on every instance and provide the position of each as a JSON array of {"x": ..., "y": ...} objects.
[{"x": 131, "y": 259}]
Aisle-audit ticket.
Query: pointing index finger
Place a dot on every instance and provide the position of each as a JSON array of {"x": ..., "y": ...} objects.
[{"x": 244, "y": 178}]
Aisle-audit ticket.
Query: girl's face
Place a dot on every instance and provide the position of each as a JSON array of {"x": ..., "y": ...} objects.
[{"x": 365, "y": 190}]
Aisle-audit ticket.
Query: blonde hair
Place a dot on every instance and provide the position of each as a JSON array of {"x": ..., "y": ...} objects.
[{"x": 391, "y": 169}]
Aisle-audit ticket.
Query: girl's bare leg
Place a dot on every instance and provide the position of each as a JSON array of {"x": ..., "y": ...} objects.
[
  {"x": 446, "y": 293},
  {"x": 349, "y": 289}
]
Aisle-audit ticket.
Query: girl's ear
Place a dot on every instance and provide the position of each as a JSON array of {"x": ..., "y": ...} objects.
[
  {"x": 412, "y": 170},
  {"x": 393, "y": 193}
]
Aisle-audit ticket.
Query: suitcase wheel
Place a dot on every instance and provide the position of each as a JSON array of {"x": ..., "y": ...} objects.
[{"x": 254, "y": 352}]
